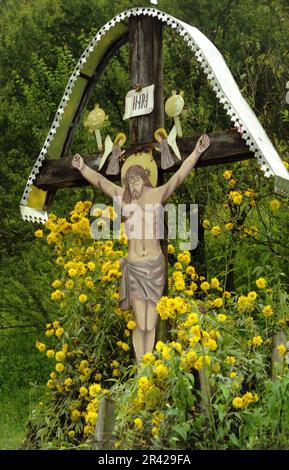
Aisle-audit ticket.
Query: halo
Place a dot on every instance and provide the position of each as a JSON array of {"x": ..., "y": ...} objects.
[
  {"x": 162, "y": 131},
  {"x": 120, "y": 135},
  {"x": 145, "y": 160}
]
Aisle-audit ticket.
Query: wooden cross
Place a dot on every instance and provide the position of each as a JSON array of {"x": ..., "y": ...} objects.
[{"x": 146, "y": 68}]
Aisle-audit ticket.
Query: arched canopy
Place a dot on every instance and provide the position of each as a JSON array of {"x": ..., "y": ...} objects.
[{"x": 84, "y": 77}]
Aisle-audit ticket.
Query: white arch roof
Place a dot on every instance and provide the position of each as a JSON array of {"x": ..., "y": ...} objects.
[{"x": 213, "y": 65}]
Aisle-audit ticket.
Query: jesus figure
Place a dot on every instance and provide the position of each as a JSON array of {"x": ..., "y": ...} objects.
[{"x": 144, "y": 269}]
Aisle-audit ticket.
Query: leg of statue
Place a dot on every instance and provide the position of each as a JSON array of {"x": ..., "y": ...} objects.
[
  {"x": 152, "y": 318},
  {"x": 139, "y": 333}
]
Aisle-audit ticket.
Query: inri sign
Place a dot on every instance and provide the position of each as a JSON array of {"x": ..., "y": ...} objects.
[{"x": 139, "y": 102}]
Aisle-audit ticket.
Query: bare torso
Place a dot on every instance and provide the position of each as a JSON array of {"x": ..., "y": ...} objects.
[{"x": 141, "y": 225}]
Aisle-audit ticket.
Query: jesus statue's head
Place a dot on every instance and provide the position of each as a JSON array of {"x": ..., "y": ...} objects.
[{"x": 135, "y": 179}]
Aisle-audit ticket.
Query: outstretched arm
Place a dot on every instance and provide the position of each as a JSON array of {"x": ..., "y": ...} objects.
[
  {"x": 186, "y": 167},
  {"x": 95, "y": 178}
]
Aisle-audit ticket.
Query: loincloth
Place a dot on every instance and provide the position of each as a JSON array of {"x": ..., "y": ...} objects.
[{"x": 143, "y": 279}]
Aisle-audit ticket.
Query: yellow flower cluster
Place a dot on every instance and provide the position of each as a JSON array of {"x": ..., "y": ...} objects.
[
  {"x": 170, "y": 307},
  {"x": 246, "y": 303},
  {"x": 54, "y": 328},
  {"x": 184, "y": 257},
  {"x": 236, "y": 197},
  {"x": 245, "y": 400},
  {"x": 110, "y": 270}
]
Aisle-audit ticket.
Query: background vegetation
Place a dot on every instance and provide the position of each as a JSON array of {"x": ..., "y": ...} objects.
[{"x": 40, "y": 42}]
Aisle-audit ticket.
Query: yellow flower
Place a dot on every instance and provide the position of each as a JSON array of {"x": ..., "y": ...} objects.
[
  {"x": 161, "y": 371},
  {"x": 138, "y": 423},
  {"x": 155, "y": 431},
  {"x": 57, "y": 295},
  {"x": 75, "y": 415},
  {"x": 159, "y": 346},
  {"x": 68, "y": 382},
  {"x": 82, "y": 298},
  {"x": 238, "y": 402},
  {"x": 275, "y": 204},
  {"x": 257, "y": 341},
  {"x": 227, "y": 174},
  {"x": 252, "y": 295},
  {"x": 56, "y": 284},
  {"x": 59, "y": 332},
  {"x": 227, "y": 294},
  {"x": 115, "y": 364},
  {"x": 215, "y": 283},
  {"x": 60, "y": 356},
  {"x": 233, "y": 375},
  {"x": 180, "y": 284},
  {"x": 229, "y": 226},
  {"x": 49, "y": 333},
  {"x": 231, "y": 360},
  {"x": 216, "y": 230},
  {"x": 131, "y": 325},
  {"x": 191, "y": 357},
  {"x": 59, "y": 367},
  {"x": 218, "y": 302},
  {"x": 69, "y": 284},
  {"x": 178, "y": 266},
  {"x": 50, "y": 383},
  {"x": 193, "y": 286},
  {"x": 50, "y": 353},
  {"x": 282, "y": 349},
  {"x": 221, "y": 317},
  {"x": 261, "y": 283},
  {"x": 236, "y": 197},
  {"x": 94, "y": 389},
  {"x": 83, "y": 391},
  {"x": 201, "y": 361},
  {"x": 91, "y": 266},
  {"x": 38, "y": 233},
  {"x": 72, "y": 272},
  {"x": 267, "y": 311},
  {"x": 216, "y": 368},
  {"x": 144, "y": 383},
  {"x": 149, "y": 358},
  {"x": 206, "y": 223},
  {"x": 71, "y": 434},
  {"x": 190, "y": 270},
  {"x": 40, "y": 346},
  {"x": 171, "y": 249},
  {"x": 205, "y": 285}
]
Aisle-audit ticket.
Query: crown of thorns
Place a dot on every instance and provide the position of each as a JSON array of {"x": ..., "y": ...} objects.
[{"x": 132, "y": 173}]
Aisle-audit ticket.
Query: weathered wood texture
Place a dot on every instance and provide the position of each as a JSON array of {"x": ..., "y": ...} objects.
[
  {"x": 226, "y": 147},
  {"x": 277, "y": 361},
  {"x": 146, "y": 68},
  {"x": 104, "y": 425}
]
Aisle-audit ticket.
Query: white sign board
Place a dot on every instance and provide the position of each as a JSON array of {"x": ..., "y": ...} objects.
[{"x": 138, "y": 103}]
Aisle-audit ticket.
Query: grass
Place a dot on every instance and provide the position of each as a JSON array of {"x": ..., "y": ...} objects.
[{"x": 21, "y": 366}]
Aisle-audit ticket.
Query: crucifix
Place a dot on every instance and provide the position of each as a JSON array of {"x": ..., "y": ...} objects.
[{"x": 144, "y": 33}]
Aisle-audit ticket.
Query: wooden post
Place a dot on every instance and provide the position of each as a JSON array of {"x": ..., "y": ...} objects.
[
  {"x": 104, "y": 425},
  {"x": 277, "y": 361},
  {"x": 146, "y": 68}
]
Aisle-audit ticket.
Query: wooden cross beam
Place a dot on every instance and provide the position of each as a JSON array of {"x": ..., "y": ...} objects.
[{"x": 226, "y": 147}]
